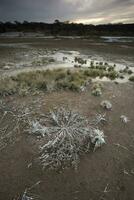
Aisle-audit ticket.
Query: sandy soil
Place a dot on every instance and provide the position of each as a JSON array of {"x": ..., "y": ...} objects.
[
  {"x": 23, "y": 54},
  {"x": 106, "y": 174},
  {"x": 110, "y": 51}
]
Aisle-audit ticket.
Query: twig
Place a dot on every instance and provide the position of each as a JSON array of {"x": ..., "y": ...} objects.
[
  {"x": 119, "y": 145},
  {"x": 106, "y": 188}
]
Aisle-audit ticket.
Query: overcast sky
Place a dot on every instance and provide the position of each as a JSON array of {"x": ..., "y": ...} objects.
[{"x": 81, "y": 11}]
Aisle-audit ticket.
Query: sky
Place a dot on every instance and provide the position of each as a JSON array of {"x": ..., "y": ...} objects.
[{"x": 78, "y": 11}]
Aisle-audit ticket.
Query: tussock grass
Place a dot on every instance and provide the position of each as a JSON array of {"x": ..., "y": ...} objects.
[
  {"x": 51, "y": 80},
  {"x": 97, "y": 89},
  {"x": 131, "y": 78}
]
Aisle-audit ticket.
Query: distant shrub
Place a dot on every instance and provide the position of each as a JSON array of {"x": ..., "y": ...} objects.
[
  {"x": 130, "y": 71},
  {"x": 97, "y": 89},
  {"x": 97, "y": 92},
  {"x": 80, "y": 60},
  {"x": 112, "y": 75},
  {"x": 131, "y": 78}
]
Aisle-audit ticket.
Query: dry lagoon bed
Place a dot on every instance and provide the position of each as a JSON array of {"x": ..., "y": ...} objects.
[{"x": 106, "y": 173}]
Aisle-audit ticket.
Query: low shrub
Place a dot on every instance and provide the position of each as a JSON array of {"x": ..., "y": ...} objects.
[
  {"x": 49, "y": 80},
  {"x": 131, "y": 78}
]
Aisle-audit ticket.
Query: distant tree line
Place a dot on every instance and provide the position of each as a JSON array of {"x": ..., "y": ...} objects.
[{"x": 67, "y": 29}]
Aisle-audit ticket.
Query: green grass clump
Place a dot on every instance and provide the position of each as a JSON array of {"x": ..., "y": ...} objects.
[
  {"x": 7, "y": 86},
  {"x": 80, "y": 60},
  {"x": 60, "y": 75},
  {"x": 48, "y": 80},
  {"x": 94, "y": 73},
  {"x": 42, "y": 61},
  {"x": 126, "y": 71},
  {"x": 51, "y": 80},
  {"x": 131, "y": 78},
  {"x": 110, "y": 68},
  {"x": 97, "y": 92},
  {"x": 97, "y": 89},
  {"x": 112, "y": 75},
  {"x": 130, "y": 72}
]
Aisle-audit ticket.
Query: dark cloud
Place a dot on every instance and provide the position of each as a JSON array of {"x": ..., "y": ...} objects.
[{"x": 88, "y": 11}]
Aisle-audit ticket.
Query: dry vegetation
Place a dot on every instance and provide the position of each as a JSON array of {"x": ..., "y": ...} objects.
[
  {"x": 131, "y": 78},
  {"x": 9, "y": 127},
  {"x": 68, "y": 135},
  {"x": 51, "y": 80}
]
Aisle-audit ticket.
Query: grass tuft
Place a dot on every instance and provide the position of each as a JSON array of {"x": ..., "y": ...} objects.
[
  {"x": 51, "y": 80},
  {"x": 131, "y": 78}
]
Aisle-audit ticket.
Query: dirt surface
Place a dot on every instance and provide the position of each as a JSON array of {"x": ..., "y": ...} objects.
[
  {"x": 106, "y": 174},
  {"x": 117, "y": 52}
]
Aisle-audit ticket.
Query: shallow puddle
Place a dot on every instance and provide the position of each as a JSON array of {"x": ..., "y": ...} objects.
[{"x": 45, "y": 59}]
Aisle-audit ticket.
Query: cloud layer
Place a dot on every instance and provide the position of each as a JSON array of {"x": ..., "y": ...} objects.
[{"x": 81, "y": 11}]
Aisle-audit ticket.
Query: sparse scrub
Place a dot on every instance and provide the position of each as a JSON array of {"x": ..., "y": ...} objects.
[
  {"x": 77, "y": 66},
  {"x": 97, "y": 85},
  {"x": 110, "y": 68},
  {"x": 7, "y": 86},
  {"x": 97, "y": 89},
  {"x": 97, "y": 92},
  {"x": 124, "y": 119},
  {"x": 129, "y": 71},
  {"x": 131, "y": 78},
  {"x": 80, "y": 60},
  {"x": 92, "y": 64},
  {"x": 106, "y": 105},
  {"x": 94, "y": 73},
  {"x": 42, "y": 61},
  {"x": 126, "y": 71},
  {"x": 49, "y": 80},
  {"x": 101, "y": 67},
  {"x": 100, "y": 63},
  {"x": 106, "y": 63},
  {"x": 68, "y": 136},
  {"x": 61, "y": 75},
  {"x": 112, "y": 75}
]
